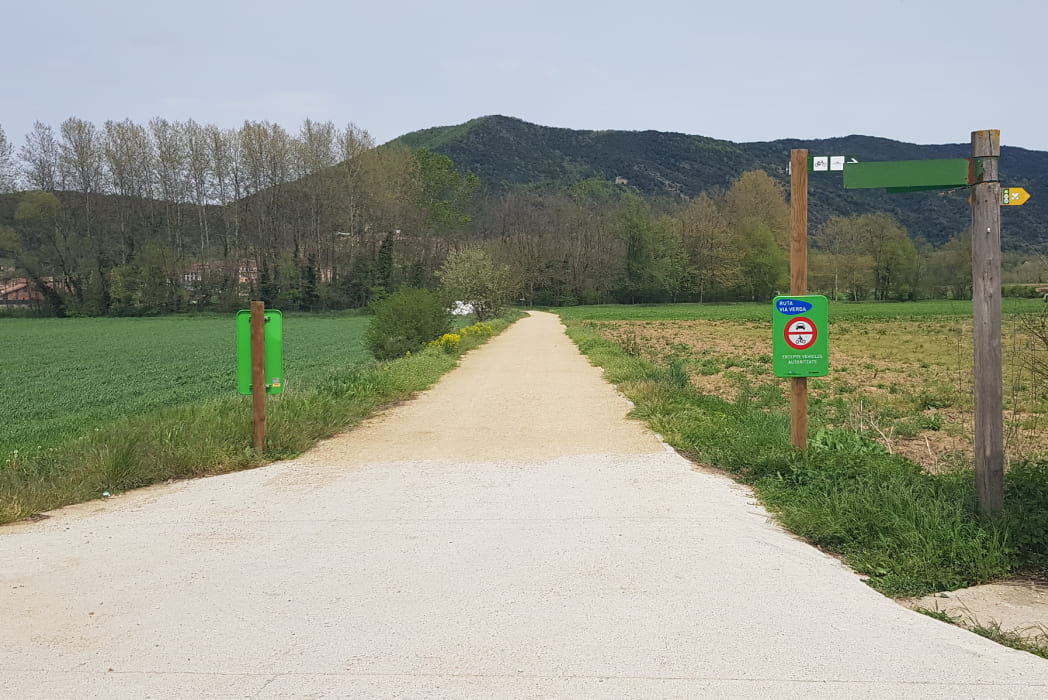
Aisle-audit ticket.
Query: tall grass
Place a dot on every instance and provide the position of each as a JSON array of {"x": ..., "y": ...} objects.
[
  {"x": 909, "y": 531},
  {"x": 761, "y": 311},
  {"x": 215, "y": 436}
]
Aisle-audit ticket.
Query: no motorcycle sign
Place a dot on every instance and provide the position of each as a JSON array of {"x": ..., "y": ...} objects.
[
  {"x": 801, "y": 333},
  {"x": 799, "y": 341}
]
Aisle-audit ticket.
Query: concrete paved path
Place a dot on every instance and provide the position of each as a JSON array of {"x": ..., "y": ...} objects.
[{"x": 507, "y": 534}]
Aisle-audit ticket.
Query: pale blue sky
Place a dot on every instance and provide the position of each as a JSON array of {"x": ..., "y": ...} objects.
[{"x": 925, "y": 71}]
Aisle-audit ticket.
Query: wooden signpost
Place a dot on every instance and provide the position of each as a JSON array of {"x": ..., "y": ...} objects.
[
  {"x": 258, "y": 373},
  {"x": 980, "y": 173},
  {"x": 986, "y": 299},
  {"x": 799, "y": 283},
  {"x": 260, "y": 361}
]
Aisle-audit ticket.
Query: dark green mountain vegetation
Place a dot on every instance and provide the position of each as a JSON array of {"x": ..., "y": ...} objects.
[
  {"x": 510, "y": 153},
  {"x": 130, "y": 219}
]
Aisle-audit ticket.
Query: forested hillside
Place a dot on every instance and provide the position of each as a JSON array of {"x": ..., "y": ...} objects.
[
  {"x": 127, "y": 219},
  {"x": 510, "y": 153}
]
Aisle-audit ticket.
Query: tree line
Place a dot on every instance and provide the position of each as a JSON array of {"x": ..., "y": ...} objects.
[
  {"x": 130, "y": 218},
  {"x": 167, "y": 216}
]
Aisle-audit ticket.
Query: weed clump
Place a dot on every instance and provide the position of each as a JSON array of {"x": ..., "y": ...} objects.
[{"x": 447, "y": 343}]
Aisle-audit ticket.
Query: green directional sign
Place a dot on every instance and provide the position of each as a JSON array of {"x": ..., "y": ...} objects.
[
  {"x": 799, "y": 330},
  {"x": 274, "y": 335},
  {"x": 909, "y": 175}
]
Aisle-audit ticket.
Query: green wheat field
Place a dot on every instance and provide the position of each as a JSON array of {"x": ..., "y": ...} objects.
[{"x": 65, "y": 377}]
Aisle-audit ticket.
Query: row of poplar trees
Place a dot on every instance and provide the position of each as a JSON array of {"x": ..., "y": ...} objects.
[{"x": 127, "y": 218}]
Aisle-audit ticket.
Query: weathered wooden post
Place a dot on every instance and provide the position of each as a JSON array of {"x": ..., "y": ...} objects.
[
  {"x": 799, "y": 283},
  {"x": 258, "y": 373},
  {"x": 986, "y": 296}
]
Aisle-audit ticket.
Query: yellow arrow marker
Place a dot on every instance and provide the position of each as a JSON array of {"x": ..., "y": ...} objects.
[{"x": 1014, "y": 196}]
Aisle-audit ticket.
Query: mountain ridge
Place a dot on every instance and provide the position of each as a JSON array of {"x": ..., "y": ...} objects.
[{"x": 507, "y": 152}]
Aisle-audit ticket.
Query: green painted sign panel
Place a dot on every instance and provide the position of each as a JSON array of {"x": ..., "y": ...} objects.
[
  {"x": 800, "y": 325},
  {"x": 908, "y": 175},
  {"x": 274, "y": 352}
]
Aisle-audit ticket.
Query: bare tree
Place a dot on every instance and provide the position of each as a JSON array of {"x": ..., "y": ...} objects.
[
  {"x": 129, "y": 159},
  {"x": 81, "y": 156},
  {"x": 316, "y": 155},
  {"x": 8, "y": 174},
  {"x": 82, "y": 161},
  {"x": 129, "y": 165},
  {"x": 199, "y": 170},
  {"x": 226, "y": 183},
  {"x": 40, "y": 157},
  {"x": 170, "y": 169}
]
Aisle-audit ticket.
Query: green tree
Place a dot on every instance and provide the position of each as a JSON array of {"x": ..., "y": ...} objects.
[
  {"x": 848, "y": 269},
  {"x": 405, "y": 321},
  {"x": 713, "y": 255},
  {"x": 310, "y": 294},
  {"x": 384, "y": 267},
  {"x": 52, "y": 256},
  {"x": 757, "y": 215},
  {"x": 763, "y": 264},
  {"x": 469, "y": 275},
  {"x": 635, "y": 227},
  {"x": 756, "y": 202},
  {"x": 443, "y": 197},
  {"x": 671, "y": 260},
  {"x": 894, "y": 257},
  {"x": 950, "y": 267},
  {"x": 446, "y": 193}
]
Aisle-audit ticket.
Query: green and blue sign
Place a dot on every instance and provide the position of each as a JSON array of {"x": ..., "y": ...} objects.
[{"x": 799, "y": 344}]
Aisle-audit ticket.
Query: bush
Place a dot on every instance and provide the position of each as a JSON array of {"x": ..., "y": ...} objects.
[
  {"x": 1021, "y": 291},
  {"x": 448, "y": 343},
  {"x": 471, "y": 276},
  {"x": 406, "y": 321}
]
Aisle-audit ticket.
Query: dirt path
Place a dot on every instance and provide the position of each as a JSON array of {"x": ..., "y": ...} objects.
[{"x": 508, "y": 534}]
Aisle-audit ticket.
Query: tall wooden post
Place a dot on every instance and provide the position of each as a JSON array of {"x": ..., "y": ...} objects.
[
  {"x": 258, "y": 373},
  {"x": 986, "y": 296},
  {"x": 799, "y": 283}
]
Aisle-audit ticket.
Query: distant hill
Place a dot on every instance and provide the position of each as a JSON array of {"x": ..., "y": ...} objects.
[{"x": 510, "y": 153}]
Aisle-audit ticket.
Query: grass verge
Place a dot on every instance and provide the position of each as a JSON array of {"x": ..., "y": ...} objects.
[
  {"x": 215, "y": 437},
  {"x": 911, "y": 532},
  {"x": 1034, "y": 640}
]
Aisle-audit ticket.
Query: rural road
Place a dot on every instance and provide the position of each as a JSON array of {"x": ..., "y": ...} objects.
[{"x": 509, "y": 533}]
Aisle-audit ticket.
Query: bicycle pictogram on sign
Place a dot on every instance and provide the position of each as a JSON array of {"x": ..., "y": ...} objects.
[{"x": 800, "y": 333}]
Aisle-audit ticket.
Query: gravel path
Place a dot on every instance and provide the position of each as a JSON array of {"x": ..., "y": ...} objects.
[{"x": 507, "y": 534}]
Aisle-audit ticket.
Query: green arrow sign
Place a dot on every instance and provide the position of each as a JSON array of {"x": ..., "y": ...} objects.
[{"x": 909, "y": 175}]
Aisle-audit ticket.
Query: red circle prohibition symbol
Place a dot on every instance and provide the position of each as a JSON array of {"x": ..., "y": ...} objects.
[{"x": 801, "y": 333}]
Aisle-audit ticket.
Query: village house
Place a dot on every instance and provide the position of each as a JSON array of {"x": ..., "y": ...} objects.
[{"x": 18, "y": 292}]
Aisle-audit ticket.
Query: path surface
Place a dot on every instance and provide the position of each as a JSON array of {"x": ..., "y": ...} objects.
[{"x": 508, "y": 534}]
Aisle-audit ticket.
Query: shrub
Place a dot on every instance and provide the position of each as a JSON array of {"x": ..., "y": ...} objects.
[
  {"x": 471, "y": 275},
  {"x": 481, "y": 329},
  {"x": 405, "y": 321},
  {"x": 449, "y": 343}
]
